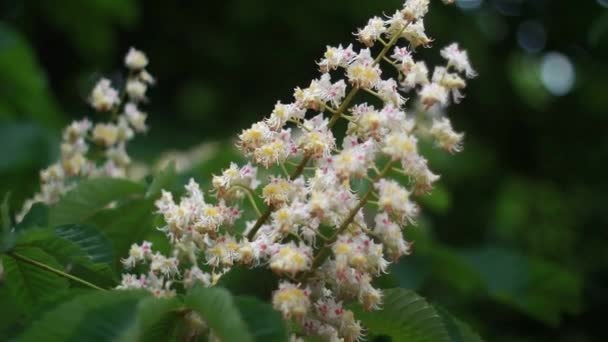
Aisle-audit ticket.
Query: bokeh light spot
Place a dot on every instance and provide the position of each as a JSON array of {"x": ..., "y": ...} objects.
[
  {"x": 469, "y": 4},
  {"x": 531, "y": 36},
  {"x": 557, "y": 73}
]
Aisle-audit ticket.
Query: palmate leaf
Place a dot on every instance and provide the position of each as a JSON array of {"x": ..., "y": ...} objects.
[
  {"x": 89, "y": 197},
  {"x": 28, "y": 284},
  {"x": 405, "y": 316},
  {"x": 236, "y": 319}
]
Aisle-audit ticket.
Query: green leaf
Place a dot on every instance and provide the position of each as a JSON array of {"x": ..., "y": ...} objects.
[
  {"x": 91, "y": 196},
  {"x": 96, "y": 316},
  {"x": 458, "y": 330},
  {"x": 539, "y": 288},
  {"x": 405, "y": 316},
  {"x": 81, "y": 249},
  {"x": 258, "y": 282},
  {"x": 126, "y": 224},
  {"x": 7, "y": 238},
  {"x": 163, "y": 180},
  {"x": 37, "y": 216},
  {"x": 264, "y": 323},
  {"x": 31, "y": 285},
  {"x": 217, "y": 307},
  {"x": 24, "y": 90},
  {"x": 94, "y": 245},
  {"x": 156, "y": 320}
]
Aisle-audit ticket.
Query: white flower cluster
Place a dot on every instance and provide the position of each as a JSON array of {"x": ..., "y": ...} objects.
[
  {"x": 323, "y": 238},
  {"x": 81, "y": 139}
]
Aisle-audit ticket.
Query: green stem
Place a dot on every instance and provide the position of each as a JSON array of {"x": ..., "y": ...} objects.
[
  {"x": 249, "y": 193},
  {"x": 54, "y": 270}
]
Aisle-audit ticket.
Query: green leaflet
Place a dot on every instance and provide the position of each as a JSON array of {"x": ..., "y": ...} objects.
[
  {"x": 98, "y": 316},
  {"x": 236, "y": 318},
  {"x": 30, "y": 285},
  {"x": 405, "y": 316},
  {"x": 89, "y": 197}
]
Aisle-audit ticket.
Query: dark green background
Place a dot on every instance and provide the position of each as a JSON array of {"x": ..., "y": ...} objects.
[{"x": 515, "y": 238}]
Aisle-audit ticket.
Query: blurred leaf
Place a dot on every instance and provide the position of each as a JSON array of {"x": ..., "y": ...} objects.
[
  {"x": 156, "y": 320},
  {"x": 525, "y": 77},
  {"x": 7, "y": 239},
  {"x": 23, "y": 87},
  {"x": 23, "y": 145},
  {"x": 405, "y": 316},
  {"x": 37, "y": 216},
  {"x": 438, "y": 200},
  {"x": 162, "y": 180},
  {"x": 91, "y": 196},
  {"x": 91, "y": 26},
  {"x": 217, "y": 307},
  {"x": 97, "y": 316},
  {"x": 264, "y": 323},
  {"x": 258, "y": 282},
  {"x": 538, "y": 288}
]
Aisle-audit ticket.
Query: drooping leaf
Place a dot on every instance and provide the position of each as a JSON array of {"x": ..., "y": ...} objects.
[
  {"x": 218, "y": 309},
  {"x": 405, "y": 316},
  {"x": 91, "y": 196},
  {"x": 29, "y": 284},
  {"x": 96, "y": 316}
]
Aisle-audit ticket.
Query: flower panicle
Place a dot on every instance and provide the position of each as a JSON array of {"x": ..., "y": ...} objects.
[
  {"x": 83, "y": 139},
  {"x": 325, "y": 239}
]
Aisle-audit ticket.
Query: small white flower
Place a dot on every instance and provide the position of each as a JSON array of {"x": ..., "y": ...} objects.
[
  {"x": 459, "y": 59},
  {"x": 432, "y": 94},
  {"x": 445, "y": 136},
  {"x": 415, "y": 34},
  {"x": 135, "y": 59},
  {"x": 291, "y": 301},
  {"x": 415, "y": 9},
  {"x": 136, "y": 89},
  {"x": 103, "y": 97},
  {"x": 136, "y": 118},
  {"x": 372, "y": 31}
]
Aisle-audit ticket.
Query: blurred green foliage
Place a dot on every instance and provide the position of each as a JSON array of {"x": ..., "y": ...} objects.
[{"x": 515, "y": 235}]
